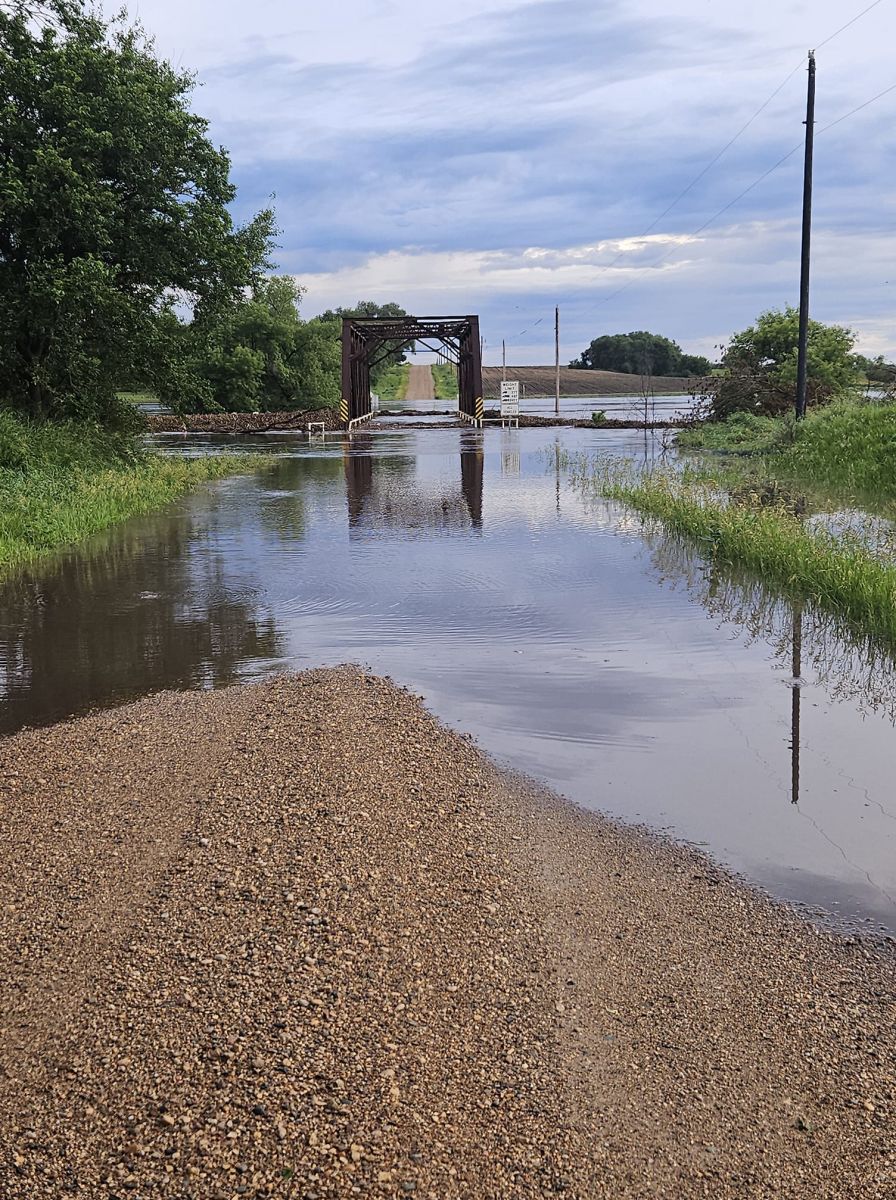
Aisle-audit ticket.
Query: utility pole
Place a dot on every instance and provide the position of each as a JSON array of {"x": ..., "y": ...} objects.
[
  {"x": 557, "y": 361},
  {"x": 503, "y": 359},
  {"x": 803, "y": 357}
]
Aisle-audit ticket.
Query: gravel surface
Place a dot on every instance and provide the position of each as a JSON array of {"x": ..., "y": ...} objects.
[{"x": 297, "y": 939}]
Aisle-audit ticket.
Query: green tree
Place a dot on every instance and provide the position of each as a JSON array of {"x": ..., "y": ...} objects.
[
  {"x": 370, "y": 308},
  {"x": 640, "y": 353},
  {"x": 254, "y": 356},
  {"x": 759, "y": 366},
  {"x": 113, "y": 202}
]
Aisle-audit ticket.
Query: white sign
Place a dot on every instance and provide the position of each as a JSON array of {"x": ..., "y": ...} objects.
[{"x": 510, "y": 399}]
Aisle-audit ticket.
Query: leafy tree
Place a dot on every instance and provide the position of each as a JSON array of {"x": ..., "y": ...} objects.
[
  {"x": 257, "y": 355},
  {"x": 876, "y": 370},
  {"x": 759, "y": 366},
  {"x": 370, "y": 308},
  {"x": 640, "y": 353},
  {"x": 113, "y": 202}
]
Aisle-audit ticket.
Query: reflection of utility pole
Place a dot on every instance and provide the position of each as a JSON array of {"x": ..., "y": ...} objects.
[
  {"x": 803, "y": 354},
  {"x": 557, "y": 471},
  {"x": 796, "y": 686},
  {"x": 557, "y": 361}
]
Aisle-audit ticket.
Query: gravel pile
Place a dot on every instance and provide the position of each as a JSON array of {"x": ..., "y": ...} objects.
[{"x": 299, "y": 940}]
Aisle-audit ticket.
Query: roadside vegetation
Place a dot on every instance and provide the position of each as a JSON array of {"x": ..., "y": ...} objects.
[
  {"x": 118, "y": 247},
  {"x": 767, "y": 494},
  {"x": 848, "y": 448},
  {"x": 61, "y": 482},
  {"x": 444, "y": 378},
  {"x": 393, "y": 382},
  {"x": 766, "y": 533}
]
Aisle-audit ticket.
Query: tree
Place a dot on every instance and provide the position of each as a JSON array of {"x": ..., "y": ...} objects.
[
  {"x": 113, "y": 204},
  {"x": 640, "y": 353},
  {"x": 256, "y": 355},
  {"x": 370, "y": 308},
  {"x": 759, "y": 366}
]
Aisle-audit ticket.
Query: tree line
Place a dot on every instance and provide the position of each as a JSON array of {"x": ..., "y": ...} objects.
[
  {"x": 120, "y": 262},
  {"x": 121, "y": 265},
  {"x": 640, "y": 353}
]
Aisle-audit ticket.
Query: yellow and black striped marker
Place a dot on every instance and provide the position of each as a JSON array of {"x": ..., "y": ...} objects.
[{"x": 343, "y": 410}]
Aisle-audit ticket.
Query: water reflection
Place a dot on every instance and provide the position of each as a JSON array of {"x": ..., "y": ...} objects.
[
  {"x": 130, "y": 614},
  {"x": 848, "y": 664},
  {"x": 387, "y": 492},
  {"x": 525, "y": 613},
  {"x": 796, "y": 687}
]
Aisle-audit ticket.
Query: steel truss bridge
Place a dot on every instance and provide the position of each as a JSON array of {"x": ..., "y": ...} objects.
[{"x": 368, "y": 341}]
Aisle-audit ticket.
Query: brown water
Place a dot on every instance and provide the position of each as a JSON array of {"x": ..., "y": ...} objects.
[{"x": 607, "y": 660}]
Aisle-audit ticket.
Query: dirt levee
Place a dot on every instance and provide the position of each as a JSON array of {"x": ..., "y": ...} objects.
[
  {"x": 539, "y": 382},
  {"x": 299, "y": 940}
]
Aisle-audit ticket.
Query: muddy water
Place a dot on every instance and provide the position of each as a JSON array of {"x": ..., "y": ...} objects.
[{"x": 604, "y": 659}]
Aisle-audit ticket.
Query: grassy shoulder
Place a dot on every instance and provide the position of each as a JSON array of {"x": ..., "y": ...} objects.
[
  {"x": 836, "y": 571},
  {"x": 847, "y": 447},
  {"x": 393, "y": 383},
  {"x": 61, "y": 483},
  {"x": 444, "y": 378}
]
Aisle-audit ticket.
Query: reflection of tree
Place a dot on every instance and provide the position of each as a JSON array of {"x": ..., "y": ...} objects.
[
  {"x": 136, "y": 610},
  {"x": 849, "y": 665}
]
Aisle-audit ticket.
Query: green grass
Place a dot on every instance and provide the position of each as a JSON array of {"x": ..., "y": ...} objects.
[
  {"x": 393, "y": 383},
  {"x": 61, "y": 483},
  {"x": 847, "y": 447},
  {"x": 743, "y": 433},
  {"x": 444, "y": 378},
  {"x": 835, "y": 571}
]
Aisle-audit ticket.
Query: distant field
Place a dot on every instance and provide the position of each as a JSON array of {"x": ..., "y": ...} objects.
[{"x": 539, "y": 381}]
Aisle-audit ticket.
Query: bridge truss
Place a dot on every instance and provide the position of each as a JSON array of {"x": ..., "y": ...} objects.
[{"x": 367, "y": 341}]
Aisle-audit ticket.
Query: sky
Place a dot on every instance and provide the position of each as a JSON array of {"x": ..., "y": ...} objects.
[{"x": 502, "y": 157}]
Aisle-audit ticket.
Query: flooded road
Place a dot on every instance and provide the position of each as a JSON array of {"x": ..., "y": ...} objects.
[{"x": 604, "y": 659}]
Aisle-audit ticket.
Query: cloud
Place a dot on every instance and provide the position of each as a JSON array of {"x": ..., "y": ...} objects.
[
  {"x": 667, "y": 282},
  {"x": 405, "y": 144}
]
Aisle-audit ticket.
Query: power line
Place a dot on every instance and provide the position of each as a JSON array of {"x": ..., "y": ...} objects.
[
  {"x": 885, "y": 92},
  {"x": 754, "y": 184},
  {"x": 759, "y": 111},
  {"x": 705, "y": 170},
  {"x": 843, "y": 28}
]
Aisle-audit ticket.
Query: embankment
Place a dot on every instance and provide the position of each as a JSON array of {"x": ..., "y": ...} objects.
[
  {"x": 61, "y": 483},
  {"x": 298, "y": 939}
]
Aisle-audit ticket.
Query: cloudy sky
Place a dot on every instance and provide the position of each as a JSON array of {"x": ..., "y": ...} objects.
[{"x": 504, "y": 156}]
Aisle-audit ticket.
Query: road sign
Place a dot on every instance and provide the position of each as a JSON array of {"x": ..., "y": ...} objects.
[{"x": 510, "y": 398}]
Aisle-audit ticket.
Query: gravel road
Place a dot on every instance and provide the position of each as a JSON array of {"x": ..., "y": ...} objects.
[
  {"x": 421, "y": 385},
  {"x": 299, "y": 940}
]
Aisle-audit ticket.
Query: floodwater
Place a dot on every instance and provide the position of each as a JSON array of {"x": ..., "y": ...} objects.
[
  {"x": 604, "y": 658},
  {"x": 616, "y": 408}
]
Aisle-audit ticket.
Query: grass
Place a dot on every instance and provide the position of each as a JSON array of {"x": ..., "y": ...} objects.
[
  {"x": 393, "y": 383},
  {"x": 61, "y": 483},
  {"x": 847, "y": 447},
  {"x": 444, "y": 378},
  {"x": 833, "y": 569},
  {"x": 743, "y": 433}
]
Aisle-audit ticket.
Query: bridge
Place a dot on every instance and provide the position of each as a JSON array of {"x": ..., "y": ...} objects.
[{"x": 368, "y": 341}]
